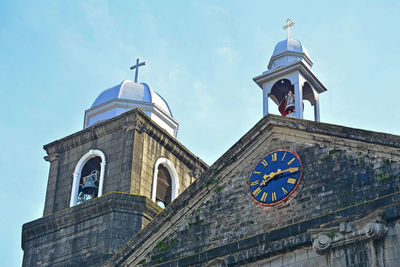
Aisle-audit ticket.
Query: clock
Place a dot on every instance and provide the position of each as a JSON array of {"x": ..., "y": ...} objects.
[{"x": 275, "y": 177}]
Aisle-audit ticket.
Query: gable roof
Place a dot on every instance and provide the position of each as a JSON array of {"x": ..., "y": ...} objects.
[{"x": 268, "y": 128}]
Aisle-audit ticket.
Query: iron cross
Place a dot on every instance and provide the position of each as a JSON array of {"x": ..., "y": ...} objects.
[
  {"x": 287, "y": 26},
  {"x": 137, "y": 68}
]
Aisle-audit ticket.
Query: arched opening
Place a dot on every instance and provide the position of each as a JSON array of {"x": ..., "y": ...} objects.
[
  {"x": 308, "y": 94},
  {"x": 282, "y": 93},
  {"x": 164, "y": 186},
  {"x": 89, "y": 180},
  {"x": 165, "y": 182},
  {"x": 279, "y": 90},
  {"x": 88, "y": 177}
]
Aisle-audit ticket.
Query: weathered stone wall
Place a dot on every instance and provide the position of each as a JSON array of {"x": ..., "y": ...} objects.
[
  {"x": 359, "y": 252},
  {"x": 111, "y": 139},
  {"x": 146, "y": 152},
  {"x": 87, "y": 234},
  {"x": 131, "y": 143},
  {"x": 348, "y": 174},
  {"x": 333, "y": 179}
]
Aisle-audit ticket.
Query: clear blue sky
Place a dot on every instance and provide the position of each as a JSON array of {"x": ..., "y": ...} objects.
[{"x": 201, "y": 56}]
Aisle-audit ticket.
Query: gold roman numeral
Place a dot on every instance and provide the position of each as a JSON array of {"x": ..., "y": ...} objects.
[
  {"x": 290, "y": 161},
  {"x": 264, "y": 162},
  {"x": 256, "y": 191},
  {"x": 284, "y": 190},
  {"x": 273, "y": 196},
  {"x": 256, "y": 172},
  {"x": 283, "y": 156},
  {"x": 274, "y": 156},
  {"x": 264, "y": 196},
  {"x": 291, "y": 181},
  {"x": 254, "y": 183}
]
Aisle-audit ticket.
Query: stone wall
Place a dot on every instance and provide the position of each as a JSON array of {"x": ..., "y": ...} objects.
[
  {"x": 348, "y": 174},
  {"x": 87, "y": 234},
  {"x": 131, "y": 143},
  {"x": 148, "y": 148},
  {"x": 90, "y": 233},
  {"x": 333, "y": 179}
]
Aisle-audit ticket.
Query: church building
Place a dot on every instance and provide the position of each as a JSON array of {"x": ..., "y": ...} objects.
[{"x": 291, "y": 192}]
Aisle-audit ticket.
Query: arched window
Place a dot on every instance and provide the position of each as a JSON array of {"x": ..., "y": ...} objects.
[
  {"x": 88, "y": 177},
  {"x": 164, "y": 186},
  {"x": 165, "y": 182}
]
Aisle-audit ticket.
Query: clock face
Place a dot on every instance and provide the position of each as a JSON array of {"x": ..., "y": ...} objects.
[{"x": 275, "y": 177}]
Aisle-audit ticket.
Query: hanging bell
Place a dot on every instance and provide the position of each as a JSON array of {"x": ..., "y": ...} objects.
[{"x": 90, "y": 187}]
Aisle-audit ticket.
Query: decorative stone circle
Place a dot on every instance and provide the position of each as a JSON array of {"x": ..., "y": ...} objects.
[
  {"x": 321, "y": 244},
  {"x": 375, "y": 230}
]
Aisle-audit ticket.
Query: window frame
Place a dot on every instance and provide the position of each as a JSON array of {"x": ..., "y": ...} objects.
[
  {"x": 77, "y": 174},
  {"x": 174, "y": 178}
]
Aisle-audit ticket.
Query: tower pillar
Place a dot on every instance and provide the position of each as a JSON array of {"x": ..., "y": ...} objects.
[
  {"x": 266, "y": 90},
  {"x": 298, "y": 94},
  {"x": 316, "y": 108}
]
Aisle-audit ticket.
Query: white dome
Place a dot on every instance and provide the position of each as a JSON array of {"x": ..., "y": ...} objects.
[
  {"x": 290, "y": 45},
  {"x": 129, "y": 90},
  {"x": 129, "y": 95},
  {"x": 287, "y": 51}
]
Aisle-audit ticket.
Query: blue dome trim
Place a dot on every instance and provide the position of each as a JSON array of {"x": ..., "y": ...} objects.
[
  {"x": 106, "y": 95},
  {"x": 147, "y": 93},
  {"x": 170, "y": 112}
]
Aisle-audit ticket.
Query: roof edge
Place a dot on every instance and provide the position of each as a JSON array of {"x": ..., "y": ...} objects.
[{"x": 174, "y": 212}]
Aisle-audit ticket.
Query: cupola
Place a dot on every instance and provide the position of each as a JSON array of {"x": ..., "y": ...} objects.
[
  {"x": 129, "y": 95},
  {"x": 288, "y": 80}
]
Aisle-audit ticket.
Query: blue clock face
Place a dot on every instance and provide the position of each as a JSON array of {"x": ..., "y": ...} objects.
[{"x": 275, "y": 177}]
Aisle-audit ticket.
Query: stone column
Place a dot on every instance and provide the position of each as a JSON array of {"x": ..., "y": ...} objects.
[
  {"x": 265, "y": 99},
  {"x": 316, "y": 108},
  {"x": 298, "y": 102}
]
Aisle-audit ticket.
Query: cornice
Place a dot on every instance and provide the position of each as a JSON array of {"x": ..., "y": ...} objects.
[
  {"x": 111, "y": 202},
  {"x": 281, "y": 71},
  {"x": 131, "y": 120}
]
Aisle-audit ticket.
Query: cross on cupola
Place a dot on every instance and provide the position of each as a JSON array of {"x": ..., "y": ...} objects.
[
  {"x": 136, "y": 67},
  {"x": 287, "y": 26},
  {"x": 289, "y": 81}
]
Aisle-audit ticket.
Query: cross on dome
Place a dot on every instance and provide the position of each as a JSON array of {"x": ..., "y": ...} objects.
[
  {"x": 287, "y": 26},
  {"x": 136, "y": 67}
]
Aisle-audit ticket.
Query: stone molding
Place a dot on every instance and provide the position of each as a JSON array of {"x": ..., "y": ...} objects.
[
  {"x": 52, "y": 157},
  {"x": 131, "y": 120},
  {"x": 359, "y": 230},
  {"x": 266, "y": 244},
  {"x": 110, "y": 202}
]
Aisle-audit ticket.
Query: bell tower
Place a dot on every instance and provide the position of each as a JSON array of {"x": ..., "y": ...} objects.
[
  {"x": 289, "y": 79},
  {"x": 109, "y": 180}
]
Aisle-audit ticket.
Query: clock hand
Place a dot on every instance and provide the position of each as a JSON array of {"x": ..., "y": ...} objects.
[
  {"x": 288, "y": 171},
  {"x": 269, "y": 176},
  {"x": 278, "y": 172}
]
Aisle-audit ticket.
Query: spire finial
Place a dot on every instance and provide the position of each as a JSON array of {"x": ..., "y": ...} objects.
[
  {"x": 287, "y": 26},
  {"x": 137, "y": 68}
]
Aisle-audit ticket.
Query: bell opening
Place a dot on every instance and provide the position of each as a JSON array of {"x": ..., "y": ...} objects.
[{"x": 89, "y": 181}]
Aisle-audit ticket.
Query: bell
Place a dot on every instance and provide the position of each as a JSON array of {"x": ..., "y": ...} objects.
[{"x": 89, "y": 188}]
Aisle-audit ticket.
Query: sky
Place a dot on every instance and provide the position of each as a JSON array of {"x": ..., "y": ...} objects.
[{"x": 201, "y": 56}]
